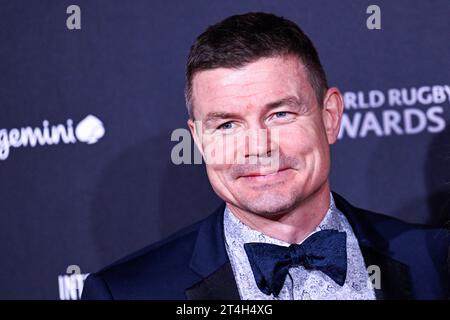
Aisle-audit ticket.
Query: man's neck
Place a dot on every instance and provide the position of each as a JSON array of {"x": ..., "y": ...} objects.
[{"x": 293, "y": 226}]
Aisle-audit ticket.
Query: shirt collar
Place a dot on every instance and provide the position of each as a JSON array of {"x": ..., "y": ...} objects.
[{"x": 238, "y": 233}]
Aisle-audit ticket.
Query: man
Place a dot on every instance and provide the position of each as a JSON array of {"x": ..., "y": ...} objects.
[{"x": 256, "y": 80}]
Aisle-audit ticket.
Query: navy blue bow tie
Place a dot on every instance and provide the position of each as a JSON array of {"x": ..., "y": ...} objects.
[{"x": 324, "y": 250}]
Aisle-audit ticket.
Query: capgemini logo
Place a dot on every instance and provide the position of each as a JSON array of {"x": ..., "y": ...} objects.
[{"x": 89, "y": 130}]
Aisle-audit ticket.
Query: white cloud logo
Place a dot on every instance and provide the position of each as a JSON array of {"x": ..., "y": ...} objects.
[{"x": 90, "y": 130}]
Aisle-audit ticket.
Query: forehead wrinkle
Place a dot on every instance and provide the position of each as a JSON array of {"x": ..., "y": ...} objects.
[
  {"x": 233, "y": 89},
  {"x": 244, "y": 84}
]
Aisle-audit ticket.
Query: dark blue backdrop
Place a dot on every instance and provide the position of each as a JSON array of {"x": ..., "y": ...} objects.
[{"x": 113, "y": 91}]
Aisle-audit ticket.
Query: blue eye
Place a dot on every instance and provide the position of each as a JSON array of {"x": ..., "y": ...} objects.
[
  {"x": 226, "y": 126},
  {"x": 281, "y": 114}
]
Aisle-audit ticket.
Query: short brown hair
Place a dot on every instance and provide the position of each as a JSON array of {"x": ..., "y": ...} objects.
[{"x": 242, "y": 39}]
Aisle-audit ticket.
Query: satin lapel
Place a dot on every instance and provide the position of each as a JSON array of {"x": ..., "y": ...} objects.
[
  {"x": 210, "y": 261},
  {"x": 394, "y": 275},
  {"x": 220, "y": 285}
]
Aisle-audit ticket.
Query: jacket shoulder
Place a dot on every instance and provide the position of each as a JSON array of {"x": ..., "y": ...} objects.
[
  {"x": 150, "y": 273},
  {"x": 386, "y": 225},
  {"x": 393, "y": 228},
  {"x": 423, "y": 246}
]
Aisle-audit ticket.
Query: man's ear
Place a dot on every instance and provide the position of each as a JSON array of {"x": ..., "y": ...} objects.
[
  {"x": 333, "y": 107},
  {"x": 196, "y": 132}
]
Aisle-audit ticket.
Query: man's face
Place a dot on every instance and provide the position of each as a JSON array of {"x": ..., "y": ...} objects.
[{"x": 271, "y": 94}]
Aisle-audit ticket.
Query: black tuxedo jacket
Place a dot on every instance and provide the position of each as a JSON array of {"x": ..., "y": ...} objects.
[{"x": 193, "y": 263}]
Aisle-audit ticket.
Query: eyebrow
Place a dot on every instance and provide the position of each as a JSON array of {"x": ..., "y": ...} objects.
[{"x": 291, "y": 101}]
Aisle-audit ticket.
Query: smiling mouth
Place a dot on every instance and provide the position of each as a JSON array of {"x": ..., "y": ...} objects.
[{"x": 264, "y": 177}]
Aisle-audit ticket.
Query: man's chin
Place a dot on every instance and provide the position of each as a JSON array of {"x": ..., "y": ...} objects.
[{"x": 268, "y": 206}]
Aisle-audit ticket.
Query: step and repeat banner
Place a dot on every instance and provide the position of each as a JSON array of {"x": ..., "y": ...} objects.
[{"x": 91, "y": 93}]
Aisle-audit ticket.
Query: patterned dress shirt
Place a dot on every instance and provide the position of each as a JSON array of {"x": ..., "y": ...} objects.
[{"x": 300, "y": 284}]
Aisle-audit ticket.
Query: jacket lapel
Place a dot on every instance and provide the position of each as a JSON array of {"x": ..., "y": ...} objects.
[
  {"x": 220, "y": 285},
  {"x": 395, "y": 282},
  {"x": 395, "y": 279},
  {"x": 210, "y": 261}
]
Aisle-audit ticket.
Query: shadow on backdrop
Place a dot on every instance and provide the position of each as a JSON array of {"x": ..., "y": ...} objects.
[
  {"x": 427, "y": 193},
  {"x": 142, "y": 197}
]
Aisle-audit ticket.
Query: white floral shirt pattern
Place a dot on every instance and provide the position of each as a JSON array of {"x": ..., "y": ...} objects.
[{"x": 300, "y": 284}]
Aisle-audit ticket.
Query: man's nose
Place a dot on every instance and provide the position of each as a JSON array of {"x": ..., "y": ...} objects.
[{"x": 259, "y": 142}]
